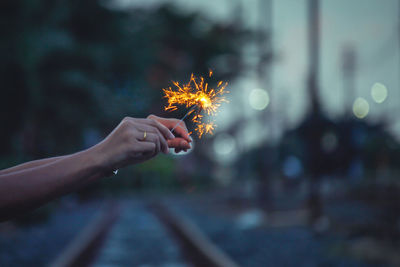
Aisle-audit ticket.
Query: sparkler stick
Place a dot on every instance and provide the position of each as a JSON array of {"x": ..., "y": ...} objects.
[
  {"x": 197, "y": 95},
  {"x": 183, "y": 118}
]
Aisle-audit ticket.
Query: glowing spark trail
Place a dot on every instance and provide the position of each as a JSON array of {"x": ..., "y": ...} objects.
[{"x": 198, "y": 96}]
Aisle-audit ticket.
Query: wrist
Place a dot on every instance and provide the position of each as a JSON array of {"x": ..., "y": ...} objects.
[{"x": 98, "y": 159}]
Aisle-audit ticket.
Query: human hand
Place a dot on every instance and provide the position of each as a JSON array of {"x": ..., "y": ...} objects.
[
  {"x": 182, "y": 139},
  {"x": 133, "y": 141}
]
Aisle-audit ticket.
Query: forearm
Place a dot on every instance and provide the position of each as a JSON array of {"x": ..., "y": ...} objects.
[
  {"x": 133, "y": 141},
  {"x": 30, "y": 164},
  {"x": 28, "y": 188}
]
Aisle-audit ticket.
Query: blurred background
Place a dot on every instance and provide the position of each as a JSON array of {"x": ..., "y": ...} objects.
[{"x": 303, "y": 168}]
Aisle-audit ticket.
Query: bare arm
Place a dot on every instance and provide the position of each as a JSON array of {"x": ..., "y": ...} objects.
[
  {"x": 29, "y": 185},
  {"x": 28, "y": 188},
  {"x": 30, "y": 164}
]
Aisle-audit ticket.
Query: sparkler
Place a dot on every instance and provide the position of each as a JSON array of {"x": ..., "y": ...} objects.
[{"x": 198, "y": 96}]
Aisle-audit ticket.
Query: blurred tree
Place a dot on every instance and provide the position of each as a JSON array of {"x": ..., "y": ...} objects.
[{"x": 69, "y": 66}]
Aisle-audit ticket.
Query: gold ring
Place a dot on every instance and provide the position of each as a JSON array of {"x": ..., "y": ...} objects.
[{"x": 144, "y": 135}]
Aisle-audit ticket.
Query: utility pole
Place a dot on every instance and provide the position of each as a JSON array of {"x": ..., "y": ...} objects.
[
  {"x": 313, "y": 53},
  {"x": 316, "y": 123},
  {"x": 349, "y": 59}
]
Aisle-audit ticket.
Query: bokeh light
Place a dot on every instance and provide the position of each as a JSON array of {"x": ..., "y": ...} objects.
[
  {"x": 224, "y": 147},
  {"x": 258, "y": 99},
  {"x": 292, "y": 167},
  {"x": 360, "y": 108},
  {"x": 379, "y": 92}
]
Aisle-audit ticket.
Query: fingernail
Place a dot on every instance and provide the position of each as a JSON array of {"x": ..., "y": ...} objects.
[{"x": 171, "y": 135}]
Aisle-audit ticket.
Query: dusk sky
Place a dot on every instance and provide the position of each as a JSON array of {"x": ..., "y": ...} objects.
[{"x": 369, "y": 26}]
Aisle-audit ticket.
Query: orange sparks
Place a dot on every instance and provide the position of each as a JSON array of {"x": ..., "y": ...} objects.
[{"x": 198, "y": 95}]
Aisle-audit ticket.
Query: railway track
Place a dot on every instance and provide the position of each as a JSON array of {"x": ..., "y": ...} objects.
[
  {"x": 119, "y": 237},
  {"x": 180, "y": 232}
]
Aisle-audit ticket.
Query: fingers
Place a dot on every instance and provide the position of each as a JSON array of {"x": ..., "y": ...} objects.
[
  {"x": 149, "y": 150},
  {"x": 181, "y": 130},
  {"x": 158, "y": 138},
  {"x": 179, "y": 143},
  {"x": 163, "y": 129},
  {"x": 155, "y": 139},
  {"x": 150, "y": 126},
  {"x": 159, "y": 135}
]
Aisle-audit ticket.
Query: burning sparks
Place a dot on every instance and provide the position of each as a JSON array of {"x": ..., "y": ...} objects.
[{"x": 198, "y": 96}]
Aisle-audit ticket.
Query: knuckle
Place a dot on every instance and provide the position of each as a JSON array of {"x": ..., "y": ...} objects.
[
  {"x": 148, "y": 121},
  {"x": 125, "y": 125},
  {"x": 127, "y": 118},
  {"x": 153, "y": 122}
]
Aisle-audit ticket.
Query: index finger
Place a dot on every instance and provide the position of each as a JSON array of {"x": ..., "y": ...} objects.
[
  {"x": 180, "y": 126},
  {"x": 182, "y": 131},
  {"x": 163, "y": 130}
]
